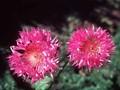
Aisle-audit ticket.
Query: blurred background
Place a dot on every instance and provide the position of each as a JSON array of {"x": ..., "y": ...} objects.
[{"x": 62, "y": 16}]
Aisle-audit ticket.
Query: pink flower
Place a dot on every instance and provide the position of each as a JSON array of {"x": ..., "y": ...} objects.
[
  {"x": 90, "y": 47},
  {"x": 35, "y": 55}
]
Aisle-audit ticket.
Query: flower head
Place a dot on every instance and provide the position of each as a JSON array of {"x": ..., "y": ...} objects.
[
  {"x": 35, "y": 55},
  {"x": 90, "y": 47}
]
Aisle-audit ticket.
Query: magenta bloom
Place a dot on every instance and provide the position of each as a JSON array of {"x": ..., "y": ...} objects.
[
  {"x": 90, "y": 47},
  {"x": 35, "y": 55}
]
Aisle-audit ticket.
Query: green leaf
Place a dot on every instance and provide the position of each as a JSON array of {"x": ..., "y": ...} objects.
[{"x": 42, "y": 84}]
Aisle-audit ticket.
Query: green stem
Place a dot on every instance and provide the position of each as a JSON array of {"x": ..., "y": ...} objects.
[{"x": 57, "y": 76}]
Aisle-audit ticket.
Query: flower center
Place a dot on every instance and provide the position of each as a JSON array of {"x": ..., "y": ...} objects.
[
  {"x": 33, "y": 54},
  {"x": 90, "y": 46},
  {"x": 34, "y": 58}
]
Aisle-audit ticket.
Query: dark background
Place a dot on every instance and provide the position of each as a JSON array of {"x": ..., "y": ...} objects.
[{"x": 15, "y": 13}]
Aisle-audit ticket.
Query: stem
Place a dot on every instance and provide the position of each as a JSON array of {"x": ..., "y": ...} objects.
[{"x": 59, "y": 73}]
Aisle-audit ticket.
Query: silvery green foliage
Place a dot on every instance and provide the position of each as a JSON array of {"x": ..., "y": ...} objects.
[
  {"x": 42, "y": 84},
  {"x": 7, "y": 82}
]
